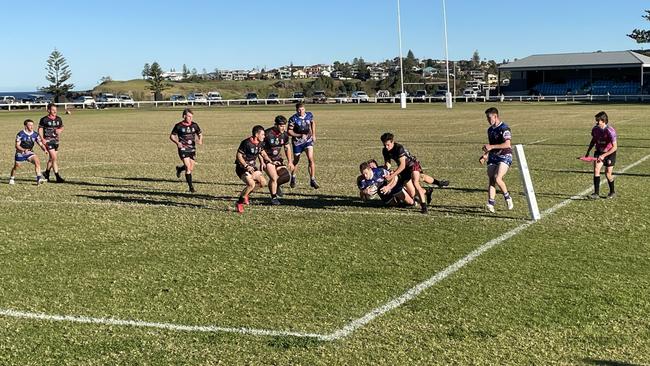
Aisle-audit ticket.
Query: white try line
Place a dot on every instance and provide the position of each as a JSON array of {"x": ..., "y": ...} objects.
[
  {"x": 348, "y": 329},
  {"x": 538, "y": 141}
]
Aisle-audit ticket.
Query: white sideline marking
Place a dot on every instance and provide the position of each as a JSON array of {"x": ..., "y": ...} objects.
[
  {"x": 348, "y": 329},
  {"x": 538, "y": 141},
  {"x": 417, "y": 289},
  {"x": 168, "y": 326}
]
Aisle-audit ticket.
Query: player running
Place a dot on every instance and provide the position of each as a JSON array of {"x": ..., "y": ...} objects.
[
  {"x": 49, "y": 130},
  {"x": 25, "y": 141},
  {"x": 603, "y": 136},
  {"x": 276, "y": 138},
  {"x": 186, "y": 134},
  {"x": 302, "y": 129},
  {"x": 373, "y": 181},
  {"x": 250, "y": 150},
  {"x": 498, "y": 155}
]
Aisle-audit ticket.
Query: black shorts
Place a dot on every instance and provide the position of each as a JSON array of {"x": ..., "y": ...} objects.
[
  {"x": 385, "y": 198},
  {"x": 186, "y": 153},
  {"x": 52, "y": 145},
  {"x": 407, "y": 173},
  {"x": 241, "y": 171},
  {"x": 610, "y": 160}
]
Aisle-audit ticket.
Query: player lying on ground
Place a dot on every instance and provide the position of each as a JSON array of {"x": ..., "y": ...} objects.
[
  {"x": 498, "y": 155},
  {"x": 25, "y": 141},
  {"x": 276, "y": 139},
  {"x": 373, "y": 181},
  {"x": 603, "y": 136}
]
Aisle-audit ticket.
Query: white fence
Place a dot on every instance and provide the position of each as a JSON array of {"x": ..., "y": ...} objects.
[{"x": 346, "y": 100}]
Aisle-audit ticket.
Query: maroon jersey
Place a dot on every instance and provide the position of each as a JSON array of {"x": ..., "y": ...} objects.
[
  {"x": 604, "y": 139},
  {"x": 273, "y": 143},
  {"x": 397, "y": 152}
]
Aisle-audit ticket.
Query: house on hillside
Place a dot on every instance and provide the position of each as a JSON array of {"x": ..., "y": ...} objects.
[
  {"x": 299, "y": 74},
  {"x": 172, "y": 75},
  {"x": 283, "y": 74}
]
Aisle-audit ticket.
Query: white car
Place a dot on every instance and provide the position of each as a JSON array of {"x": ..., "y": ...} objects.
[
  {"x": 470, "y": 93},
  {"x": 84, "y": 101},
  {"x": 126, "y": 100},
  {"x": 214, "y": 97},
  {"x": 197, "y": 98},
  {"x": 360, "y": 96},
  {"x": 107, "y": 100}
]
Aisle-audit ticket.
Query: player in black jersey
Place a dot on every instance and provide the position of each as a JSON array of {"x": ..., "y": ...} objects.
[
  {"x": 49, "y": 130},
  {"x": 250, "y": 150},
  {"x": 409, "y": 170},
  {"x": 276, "y": 138},
  {"x": 186, "y": 134}
]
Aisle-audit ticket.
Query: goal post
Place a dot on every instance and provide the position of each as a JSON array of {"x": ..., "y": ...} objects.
[{"x": 527, "y": 182}]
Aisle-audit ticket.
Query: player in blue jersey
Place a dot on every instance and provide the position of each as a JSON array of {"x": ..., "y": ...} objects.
[
  {"x": 25, "y": 141},
  {"x": 498, "y": 155},
  {"x": 186, "y": 134},
  {"x": 373, "y": 180},
  {"x": 302, "y": 129},
  {"x": 275, "y": 140},
  {"x": 49, "y": 130}
]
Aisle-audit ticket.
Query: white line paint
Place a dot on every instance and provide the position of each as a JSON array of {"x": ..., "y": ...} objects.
[
  {"x": 419, "y": 288},
  {"x": 348, "y": 329},
  {"x": 538, "y": 141},
  {"x": 167, "y": 326},
  {"x": 460, "y": 134}
]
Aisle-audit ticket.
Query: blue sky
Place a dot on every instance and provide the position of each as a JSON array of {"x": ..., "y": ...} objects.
[{"x": 117, "y": 38}]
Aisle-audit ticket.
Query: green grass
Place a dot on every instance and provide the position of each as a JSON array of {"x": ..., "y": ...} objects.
[{"x": 123, "y": 239}]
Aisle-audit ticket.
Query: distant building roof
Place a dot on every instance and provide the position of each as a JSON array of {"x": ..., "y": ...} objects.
[{"x": 579, "y": 60}]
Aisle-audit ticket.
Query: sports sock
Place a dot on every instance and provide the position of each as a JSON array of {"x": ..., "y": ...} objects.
[
  {"x": 506, "y": 196},
  {"x": 491, "y": 202},
  {"x": 597, "y": 184},
  {"x": 188, "y": 178},
  {"x": 240, "y": 200},
  {"x": 436, "y": 182},
  {"x": 611, "y": 186}
]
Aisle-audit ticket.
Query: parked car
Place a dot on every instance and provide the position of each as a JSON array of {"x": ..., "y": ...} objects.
[
  {"x": 470, "y": 93},
  {"x": 342, "y": 98},
  {"x": 298, "y": 97},
  {"x": 319, "y": 97},
  {"x": 178, "y": 99},
  {"x": 7, "y": 99},
  {"x": 272, "y": 98},
  {"x": 420, "y": 96},
  {"x": 214, "y": 97},
  {"x": 251, "y": 98},
  {"x": 360, "y": 96},
  {"x": 126, "y": 100},
  {"x": 107, "y": 100},
  {"x": 36, "y": 99},
  {"x": 84, "y": 101},
  {"x": 383, "y": 96},
  {"x": 197, "y": 98}
]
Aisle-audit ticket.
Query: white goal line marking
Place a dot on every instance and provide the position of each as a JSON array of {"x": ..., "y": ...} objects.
[{"x": 343, "y": 332}]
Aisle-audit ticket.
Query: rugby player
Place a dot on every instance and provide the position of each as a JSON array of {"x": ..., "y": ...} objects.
[
  {"x": 25, "y": 141},
  {"x": 603, "y": 136},
  {"x": 250, "y": 150},
  {"x": 408, "y": 168},
  {"x": 498, "y": 155},
  {"x": 186, "y": 134},
  {"x": 373, "y": 181},
  {"x": 302, "y": 129},
  {"x": 49, "y": 130},
  {"x": 276, "y": 138}
]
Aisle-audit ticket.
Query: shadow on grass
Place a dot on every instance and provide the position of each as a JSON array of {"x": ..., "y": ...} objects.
[
  {"x": 608, "y": 362},
  {"x": 143, "y": 201},
  {"x": 286, "y": 343},
  {"x": 567, "y": 171},
  {"x": 155, "y": 180},
  {"x": 167, "y": 194},
  {"x": 89, "y": 184},
  {"x": 472, "y": 211}
]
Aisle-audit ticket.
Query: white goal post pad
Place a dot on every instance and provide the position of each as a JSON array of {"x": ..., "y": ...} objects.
[{"x": 527, "y": 182}]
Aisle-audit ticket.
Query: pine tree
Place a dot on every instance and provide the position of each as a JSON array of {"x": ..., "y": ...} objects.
[
  {"x": 146, "y": 70},
  {"x": 58, "y": 72},
  {"x": 156, "y": 82},
  {"x": 639, "y": 35}
]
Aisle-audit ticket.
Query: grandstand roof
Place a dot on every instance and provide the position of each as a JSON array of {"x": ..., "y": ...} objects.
[{"x": 579, "y": 61}]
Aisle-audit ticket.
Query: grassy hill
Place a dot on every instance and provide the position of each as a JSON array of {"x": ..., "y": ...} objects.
[{"x": 237, "y": 89}]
